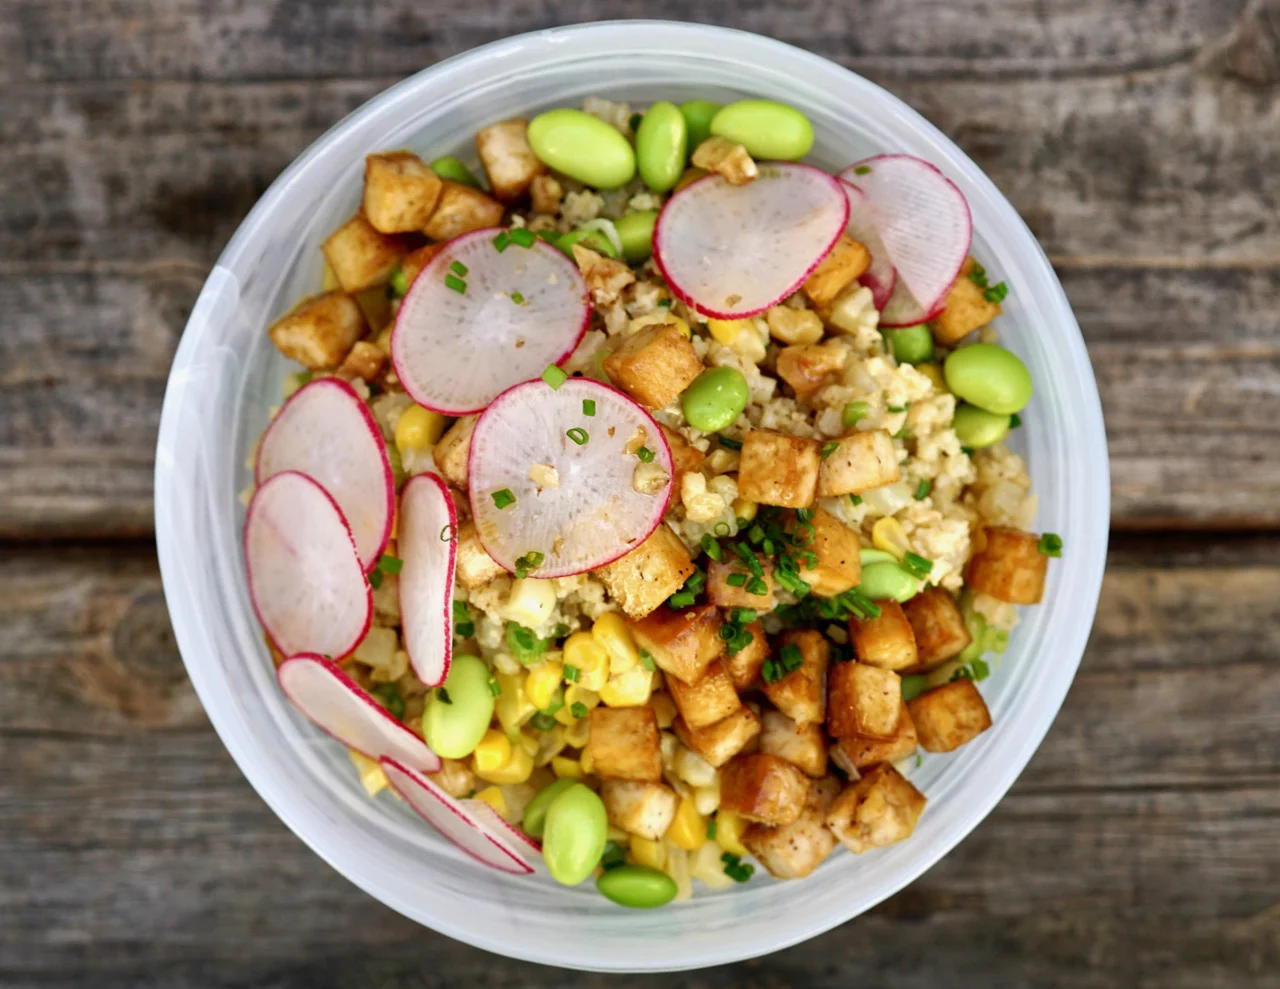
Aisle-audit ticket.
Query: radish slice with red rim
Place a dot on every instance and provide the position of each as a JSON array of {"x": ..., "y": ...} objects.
[
  {"x": 477, "y": 320},
  {"x": 903, "y": 309},
  {"x": 556, "y": 490},
  {"x": 340, "y": 707},
  {"x": 428, "y": 549},
  {"x": 528, "y": 848},
  {"x": 735, "y": 250},
  {"x": 880, "y": 276},
  {"x": 454, "y": 821},
  {"x": 326, "y": 432},
  {"x": 306, "y": 582},
  {"x": 923, "y": 219}
]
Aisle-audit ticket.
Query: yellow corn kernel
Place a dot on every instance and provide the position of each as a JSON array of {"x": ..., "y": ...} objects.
[
  {"x": 588, "y": 764},
  {"x": 661, "y": 315},
  {"x": 691, "y": 174},
  {"x": 630, "y": 689},
  {"x": 566, "y": 768},
  {"x": 493, "y": 752},
  {"x": 531, "y": 601},
  {"x": 513, "y": 707},
  {"x": 934, "y": 373},
  {"x": 550, "y": 744},
  {"x": 383, "y": 341},
  {"x": 494, "y": 798},
  {"x": 583, "y": 651},
  {"x": 610, "y": 630},
  {"x": 574, "y": 694},
  {"x": 688, "y": 828},
  {"x": 743, "y": 509},
  {"x": 729, "y": 828},
  {"x": 577, "y": 733},
  {"x": 330, "y": 279},
  {"x": 665, "y": 709},
  {"x": 372, "y": 778},
  {"x": 517, "y": 769},
  {"x": 706, "y": 866},
  {"x": 540, "y": 686},
  {"x": 887, "y": 535},
  {"x": 527, "y": 741},
  {"x": 418, "y": 428},
  {"x": 726, "y": 331},
  {"x": 646, "y": 852}
]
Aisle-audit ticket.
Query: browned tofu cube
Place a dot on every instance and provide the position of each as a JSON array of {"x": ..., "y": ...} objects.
[
  {"x": 460, "y": 210},
  {"x": 939, "y": 628},
  {"x": 361, "y": 256},
  {"x": 863, "y": 700},
  {"x": 720, "y": 742},
  {"x": 400, "y": 191},
  {"x": 1008, "y": 565},
  {"x": 709, "y": 700},
  {"x": 801, "y": 694},
  {"x": 800, "y": 745},
  {"x": 744, "y": 665},
  {"x": 848, "y": 260},
  {"x": 507, "y": 158},
  {"x": 861, "y": 461},
  {"x": 474, "y": 566},
  {"x": 878, "y": 810},
  {"x": 726, "y": 595},
  {"x": 810, "y": 367},
  {"x": 644, "y": 809},
  {"x": 794, "y": 325},
  {"x": 885, "y": 641},
  {"x": 682, "y": 643},
  {"x": 763, "y": 788},
  {"x": 684, "y": 457},
  {"x": 545, "y": 191},
  {"x": 413, "y": 262},
  {"x": 623, "y": 744},
  {"x": 605, "y": 277},
  {"x": 642, "y": 579},
  {"x": 836, "y": 546},
  {"x": 365, "y": 361},
  {"x": 719, "y": 154},
  {"x": 948, "y": 716},
  {"x": 858, "y": 753},
  {"x": 654, "y": 365},
  {"x": 794, "y": 850},
  {"x": 967, "y": 309},
  {"x": 777, "y": 469},
  {"x": 320, "y": 331},
  {"x": 453, "y": 451}
]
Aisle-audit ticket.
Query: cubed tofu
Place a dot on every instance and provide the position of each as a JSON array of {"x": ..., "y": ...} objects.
[
  {"x": 728, "y": 158},
  {"x": 725, "y": 595},
  {"x": 320, "y": 331},
  {"x": 837, "y": 547},
  {"x": 654, "y": 365},
  {"x": 605, "y": 277},
  {"x": 413, "y": 262},
  {"x": 810, "y": 367},
  {"x": 801, "y": 745},
  {"x": 848, "y": 260},
  {"x": 623, "y": 743},
  {"x": 861, "y": 461},
  {"x": 778, "y": 469},
  {"x": 763, "y": 788},
  {"x": 684, "y": 456},
  {"x": 545, "y": 191},
  {"x": 642, "y": 579},
  {"x": 460, "y": 210},
  {"x": 967, "y": 309},
  {"x": 474, "y": 566},
  {"x": 801, "y": 694},
  {"x": 365, "y": 361},
  {"x": 744, "y": 665},
  {"x": 709, "y": 700},
  {"x": 878, "y": 810},
  {"x": 682, "y": 643},
  {"x": 361, "y": 256},
  {"x": 863, "y": 700},
  {"x": 938, "y": 626},
  {"x": 507, "y": 158},
  {"x": 400, "y": 191},
  {"x": 1008, "y": 565},
  {"x": 794, "y": 850},
  {"x": 644, "y": 809},
  {"x": 948, "y": 716},
  {"x": 720, "y": 742},
  {"x": 454, "y": 450},
  {"x": 790, "y": 325},
  {"x": 887, "y": 640},
  {"x": 859, "y": 753}
]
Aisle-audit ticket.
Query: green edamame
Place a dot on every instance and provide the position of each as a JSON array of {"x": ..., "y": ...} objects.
[
  {"x": 768, "y": 130},
  {"x": 715, "y": 399},
  {"x": 989, "y": 377},
  {"x": 454, "y": 729},
  {"x": 635, "y": 230},
  {"x": 868, "y": 556},
  {"x": 911, "y": 344},
  {"x": 453, "y": 169},
  {"x": 697, "y": 116},
  {"x": 637, "y": 886},
  {"x": 582, "y": 147},
  {"x": 593, "y": 239},
  {"x": 662, "y": 145},
  {"x": 535, "y": 814},
  {"x": 977, "y": 427},
  {"x": 888, "y": 580},
  {"x": 574, "y": 834}
]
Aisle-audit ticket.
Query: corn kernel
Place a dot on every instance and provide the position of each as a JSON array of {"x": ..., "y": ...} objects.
[
  {"x": 588, "y": 764},
  {"x": 577, "y": 733},
  {"x": 934, "y": 373},
  {"x": 527, "y": 741},
  {"x": 649, "y": 853},
  {"x": 566, "y": 768},
  {"x": 706, "y": 866},
  {"x": 610, "y": 630},
  {"x": 692, "y": 768},
  {"x": 575, "y": 694},
  {"x": 688, "y": 828},
  {"x": 725, "y": 331},
  {"x": 542, "y": 682},
  {"x": 550, "y": 744},
  {"x": 513, "y": 707},
  {"x": 729, "y": 828},
  {"x": 707, "y": 798},
  {"x": 581, "y": 650},
  {"x": 372, "y": 778},
  {"x": 531, "y": 601},
  {"x": 664, "y": 708},
  {"x": 887, "y": 535},
  {"x": 517, "y": 769},
  {"x": 630, "y": 689},
  {"x": 493, "y": 752},
  {"x": 494, "y": 798},
  {"x": 418, "y": 428},
  {"x": 743, "y": 509},
  {"x": 383, "y": 341}
]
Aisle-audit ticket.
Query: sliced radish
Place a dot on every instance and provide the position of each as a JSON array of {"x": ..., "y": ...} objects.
[
  {"x": 428, "y": 525},
  {"x": 880, "y": 277},
  {"x": 576, "y": 503},
  {"x": 923, "y": 220},
  {"x": 528, "y": 848},
  {"x": 735, "y": 250},
  {"x": 305, "y": 578},
  {"x": 326, "y": 432},
  {"x": 902, "y": 308},
  {"x": 340, "y": 707},
  {"x": 454, "y": 821},
  {"x": 522, "y": 309}
]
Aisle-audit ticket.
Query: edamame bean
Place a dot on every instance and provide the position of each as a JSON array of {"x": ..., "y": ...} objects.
[
  {"x": 593, "y": 239},
  {"x": 453, "y": 169},
  {"x": 768, "y": 130},
  {"x": 662, "y": 145},
  {"x": 888, "y": 580},
  {"x": 697, "y": 116},
  {"x": 535, "y": 814},
  {"x": 715, "y": 399},
  {"x": 989, "y": 377},
  {"x": 454, "y": 729},
  {"x": 573, "y": 835},
  {"x": 582, "y": 147},
  {"x": 977, "y": 427},
  {"x": 637, "y": 886},
  {"x": 869, "y": 556},
  {"x": 911, "y": 344},
  {"x": 635, "y": 230}
]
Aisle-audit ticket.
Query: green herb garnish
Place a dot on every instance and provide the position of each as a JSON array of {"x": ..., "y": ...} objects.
[
  {"x": 1050, "y": 544},
  {"x": 502, "y": 498}
]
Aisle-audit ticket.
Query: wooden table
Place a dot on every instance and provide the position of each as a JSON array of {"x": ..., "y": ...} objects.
[{"x": 1139, "y": 138}]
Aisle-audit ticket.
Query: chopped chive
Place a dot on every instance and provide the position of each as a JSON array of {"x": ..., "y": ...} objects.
[
  {"x": 554, "y": 376},
  {"x": 391, "y": 699},
  {"x": 828, "y": 448},
  {"x": 542, "y": 721},
  {"x": 996, "y": 293},
  {"x": 459, "y": 269},
  {"x": 856, "y": 500},
  {"x": 742, "y": 616},
  {"x": 756, "y": 533},
  {"x": 464, "y": 630},
  {"x": 443, "y": 696},
  {"x": 917, "y": 565},
  {"x": 455, "y": 283},
  {"x": 736, "y": 580},
  {"x": 862, "y": 170},
  {"x": 923, "y": 489},
  {"x": 503, "y": 498},
  {"x": 495, "y": 687},
  {"x": 711, "y": 829},
  {"x": 502, "y": 241},
  {"x": 681, "y": 599},
  {"x": 579, "y": 710},
  {"x": 721, "y": 529},
  {"x": 978, "y": 275},
  {"x": 980, "y": 670},
  {"x": 1050, "y": 544},
  {"x": 588, "y": 406},
  {"x": 399, "y": 284},
  {"x": 375, "y": 579},
  {"x": 710, "y": 547},
  {"x": 578, "y": 435},
  {"x": 571, "y": 673},
  {"x": 665, "y": 303},
  {"x": 528, "y": 563},
  {"x": 729, "y": 443},
  {"x": 390, "y": 564},
  {"x": 790, "y": 657},
  {"x": 517, "y": 298},
  {"x": 646, "y": 660},
  {"x": 523, "y": 237},
  {"x": 757, "y": 586},
  {"x": 645, "y": 454},
  {"x": 805, "y": 514},
  {"x": 895, "y": 409},
  {"x": 853, "y": 412},
  {"x": 612, "y": 857},
  {"x": 697, "y": 580},
  {"x": 1015, "y": 421},
  {"x": 634, "y": 120},
  {"x": 461, "y": 613}
]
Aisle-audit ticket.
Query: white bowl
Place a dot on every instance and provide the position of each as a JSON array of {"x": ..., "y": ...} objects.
[{"x": 227, "y": 375}]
